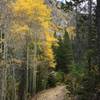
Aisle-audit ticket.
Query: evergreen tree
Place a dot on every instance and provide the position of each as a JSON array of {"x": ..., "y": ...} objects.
[{"x": 63, "y": 53}]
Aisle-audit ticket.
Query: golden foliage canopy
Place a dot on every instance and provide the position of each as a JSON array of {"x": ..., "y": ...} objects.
[{"x": 29, "y": 16}]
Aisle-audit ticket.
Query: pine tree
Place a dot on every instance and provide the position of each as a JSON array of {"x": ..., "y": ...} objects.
[{"x": 63, "y": 53}]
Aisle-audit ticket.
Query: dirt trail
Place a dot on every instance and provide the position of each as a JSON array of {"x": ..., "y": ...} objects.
[{"x": 57, "y": 93}]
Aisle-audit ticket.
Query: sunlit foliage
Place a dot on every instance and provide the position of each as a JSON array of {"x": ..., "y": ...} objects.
[{"x": 32, "y": 16}]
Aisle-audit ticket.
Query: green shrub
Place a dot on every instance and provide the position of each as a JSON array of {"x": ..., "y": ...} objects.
[
  {"x": 59, "y": 77},
  {"x": 52, "y": 79}
]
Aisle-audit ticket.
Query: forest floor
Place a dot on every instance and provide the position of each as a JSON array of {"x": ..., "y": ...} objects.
[{"x": 56, "y": 93}]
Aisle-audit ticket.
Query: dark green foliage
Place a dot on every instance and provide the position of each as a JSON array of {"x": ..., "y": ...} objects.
[
  {"x": 98, "y": 30},
  {"x": 59, "y": 77},
  {"x": 52, "y": 79},
  {"x": 87, "y": 89},
  {"x": 77, "y": 71},
  {"x": 68, "y": 6},
  {"x": 55, "y": 78},
  {"x": 63, "y": 53},
  {"x": 74, "y": 78}
]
